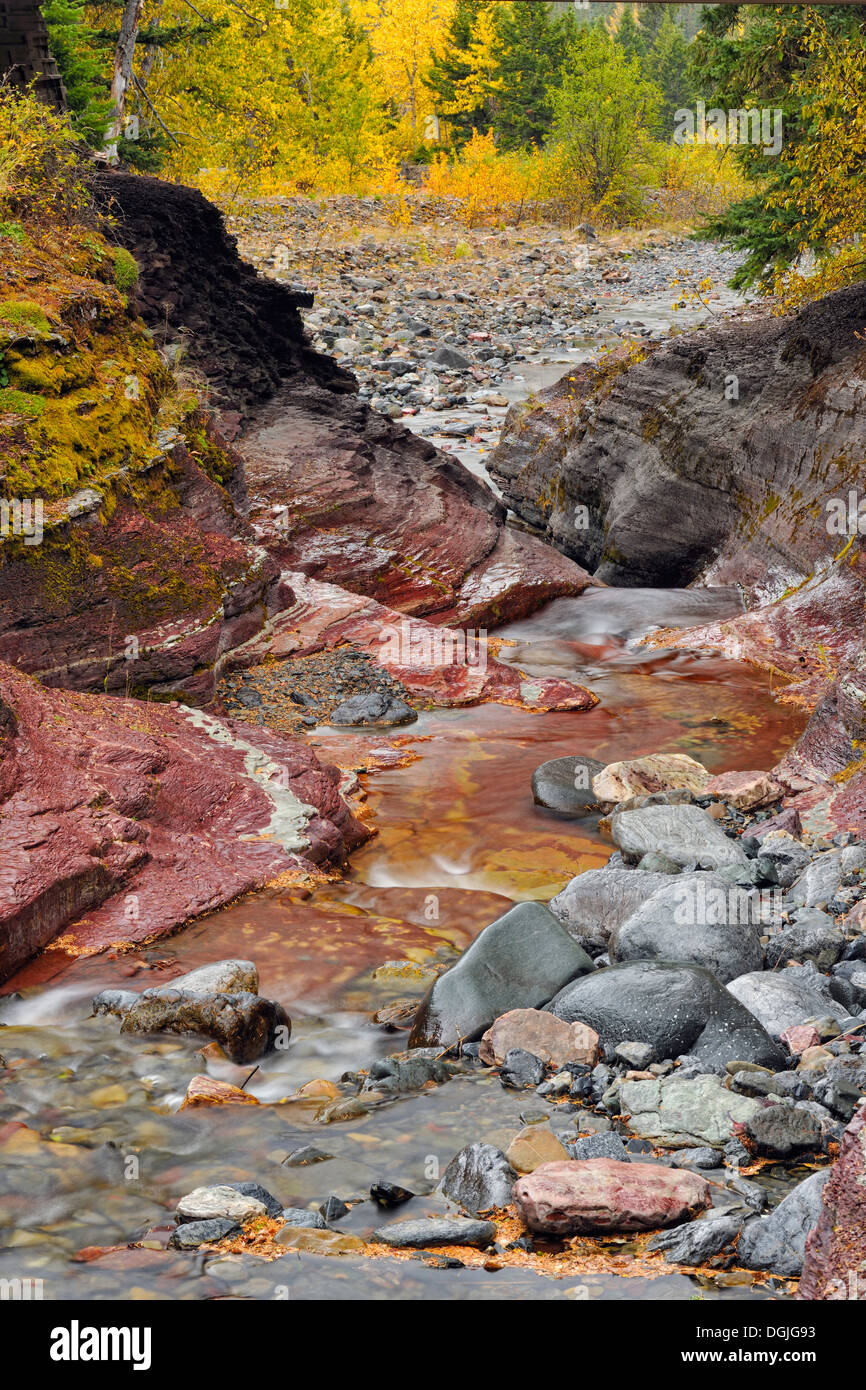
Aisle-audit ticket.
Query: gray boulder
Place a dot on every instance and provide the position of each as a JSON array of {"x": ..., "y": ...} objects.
[
  {"x": 777, "y": 1242},
  {"x": 698, "y": 919},
  {"x": 686, "y": 834},
  {"x": 783, "y": 1131},
  {"x": 783, "y": 998},
  {"x": 436, "y": 1230},
  {"x": 594, "y": 904},
  {"x": 479, "y": 1178},
  {"x": 696, "y": 1241},
  {"x": 675, "y": 1008},
  {"x": 565, "y": 785},
  {"x": 690, "y": 1110},
  {"x": 378, "y": 707},
  {"x": 819, "y": 882},
  {"x": 814, "y": 938},
  {"x": 518, "y": 962}
]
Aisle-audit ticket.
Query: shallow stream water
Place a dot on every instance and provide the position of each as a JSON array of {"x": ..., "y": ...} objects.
[{"x": 94, "y": 1151}]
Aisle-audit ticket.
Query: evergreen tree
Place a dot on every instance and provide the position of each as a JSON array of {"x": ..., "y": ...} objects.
[
  {"x": 748, "y": 56},
  {"x": 667, "y": 64},
  {"x": 82, "y": 63},
  {"x": 529, "y": 50},
  {"x": 629, "y": 34},
  {"x": 453, "y": 78}
]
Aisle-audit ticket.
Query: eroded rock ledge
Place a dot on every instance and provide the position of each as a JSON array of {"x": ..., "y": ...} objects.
[{"x": 126, "y": 819}]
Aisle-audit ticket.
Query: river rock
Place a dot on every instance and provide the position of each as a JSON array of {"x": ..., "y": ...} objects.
[
  {"x": 601, "y": 1195},
  {"x": 565, "y": 785},
  {"x": 521, "y": 1069},
  {"x": 674, "y": 924},
  {"x": 245, "y": 1025},
  {"x": 696, "y": 1242},
  {"x": 745, "y": 791},
  {"x": 814, "y": 938},
  {"x": 595, "y": 903},
  {"x": 546, "y": 1037},
  {"x": 622, "y": 1003},
  {"x": 819, "y": 882},
  {"x": 835, "y": 1252},
  {"x": 299, "y": 1216},
  {"x": 249, "y": 1188},
  {"x": 204, "y": 1203},
  {"x": 519, "y": 961},
  {"x": 842, "y": 1085},
  {"x": 777, "y": 1242},
  {"x": 192, "y": 1234},
  {"x": 673, "y": 1111},
  {"x": 685, "y": 833},
  {"x": 219, "y": 977},
  {"x": 534, "y": 1145},
  {"x": 782, "y": 1131},
  {"x": 436, "y": 1230},
  {"x": 605, "y": 1144},
  {"x": 206, "y": 1090},
  {"x": 784, "y": 998},
  {"x": 658, "y": 772},
  {"x": 788, "y": 855},
  {"x": 479, "y": 1178},
  {"x": 379, "y": 707}
]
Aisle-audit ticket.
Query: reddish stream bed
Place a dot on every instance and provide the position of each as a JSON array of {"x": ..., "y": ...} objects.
[{"x": 106, "y": 1154}]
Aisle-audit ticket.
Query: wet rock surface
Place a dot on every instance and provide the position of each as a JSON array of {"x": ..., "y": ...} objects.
[
  {"x": 699, "y": 1018},
  {"x": 601, "y": 1194},
  {"x": 519, "y": 961}
]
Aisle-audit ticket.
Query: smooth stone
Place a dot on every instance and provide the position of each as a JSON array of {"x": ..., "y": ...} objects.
[
  {"x": 296, "y": 1216},
  {"x": 534, "y": 1145},
  {"x": 564, "y": 785},
  {"x": 657, "y": 772},
  {"x": 114, "y": 1001},
  {"x": 698, "y": 1016},
  {"x": 436, "y": 1230},
  {"x": 602, "y": 1194},
  {"x": 698, "y": 1241},
  {"x": 203, "y": 1203},
  {"x": 546, "y": 1037},
  {"x": 219, "y": 977},
  {"x": 259, "y": 1194},
  {"x": 375, "y": 708},
  {"x": 782, "y": 999},
  {"x": 519, "y": 961},
  {"x": 689, "y": 1110},
  {"x": 698, "y": 919},
  {"x": 595, "y": 903},
  {"x": 819, "y": 882},
  {"x": 696, "y": 1158},
  {"x": 745, "y": 791},
  {"x": 479, "y": 1178},
  {"x": 685, "y": 833},
  {"x": 192, "y": 1234},
  {"x": 777, "y": 1242}
]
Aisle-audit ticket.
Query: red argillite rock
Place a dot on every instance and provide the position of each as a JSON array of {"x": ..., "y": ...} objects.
[
  {"x": 123, "y": 819},
  {"x": 835, "y": 1262},
  {"x": 604, "y": 1194},
  {"x": 441, "y": 665}
]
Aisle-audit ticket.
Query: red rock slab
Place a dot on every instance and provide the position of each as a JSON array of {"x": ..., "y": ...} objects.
[
  {"x": 440, "y": 665},
  {"x": 123, "y": 819},
  {"x": 350, "y": 497},
  {"x": 834, "y": 1267},
  {"x": 744, "y": 790},
  {"x": 605, "y": 1194}
]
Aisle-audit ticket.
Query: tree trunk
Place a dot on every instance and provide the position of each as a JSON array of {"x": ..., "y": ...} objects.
[
  {"x": 122, "y": 73},
  {"x": 24, "y": 53}
]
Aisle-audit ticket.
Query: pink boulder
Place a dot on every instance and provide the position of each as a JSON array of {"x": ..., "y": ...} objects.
[
  {"x": 605, "y": 1194},
  {"x": 543, "y": 1035}
]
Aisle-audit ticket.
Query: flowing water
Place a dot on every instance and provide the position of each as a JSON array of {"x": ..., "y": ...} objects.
[{"x": 94, "y": 1151}]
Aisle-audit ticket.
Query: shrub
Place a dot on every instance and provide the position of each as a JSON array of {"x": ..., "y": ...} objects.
[{"x": 40, "y": 165}]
